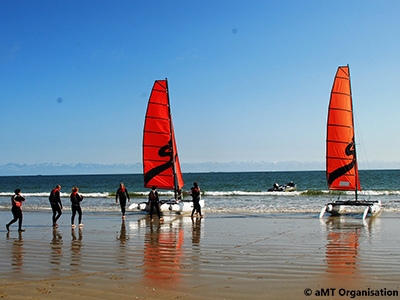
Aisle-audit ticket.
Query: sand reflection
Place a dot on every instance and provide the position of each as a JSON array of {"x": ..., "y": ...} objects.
[
  {"x": 343, "y": 245},
  {"x": 56, "y": 248},
  {"x": 17, "y": 251},
  {"x": 163, "y": 251},
  {"x": 196, "y": 231},
  {"x": 122, "y": 237},
  {"x": 76, "y": 245}
]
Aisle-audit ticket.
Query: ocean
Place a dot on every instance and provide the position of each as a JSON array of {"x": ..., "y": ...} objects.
[{"x": 223, "y": 192}]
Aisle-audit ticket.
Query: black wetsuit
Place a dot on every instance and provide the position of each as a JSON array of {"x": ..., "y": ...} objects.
[
  {"x": 122, "y": 193},
  {"x": 56, "y": 205},
  {"x": 195, "y": 192},
  {"x": 76, "y": 207},
  {"x": 153, "y": 202},
  {"x": 16, "y": 211}
]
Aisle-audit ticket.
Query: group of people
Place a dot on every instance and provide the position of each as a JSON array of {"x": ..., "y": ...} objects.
[
  {"x": 154, "y": 201},
  {"x": 122, "y": 195},
  {"x": 55, "y": 203}
]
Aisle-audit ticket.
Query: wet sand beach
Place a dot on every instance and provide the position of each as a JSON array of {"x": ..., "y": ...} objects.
[{"x": 222, "y": 256}]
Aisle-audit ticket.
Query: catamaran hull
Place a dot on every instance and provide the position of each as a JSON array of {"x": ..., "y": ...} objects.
[
  {"x": 169, "y": 206},
  {"x": 367, "y": 208}
]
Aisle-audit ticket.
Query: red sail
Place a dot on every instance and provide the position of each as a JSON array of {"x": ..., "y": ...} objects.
[
  {"x": 341, "y": 162},
  {"x": 161, "y": 166}
]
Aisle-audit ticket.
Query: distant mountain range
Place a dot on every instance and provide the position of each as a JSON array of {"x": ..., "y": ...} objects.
[{"x": 136, "y": 168}]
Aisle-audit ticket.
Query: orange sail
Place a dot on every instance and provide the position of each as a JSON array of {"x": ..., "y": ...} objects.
[
  {"x": 161, "y": 166},
  {"x": 341, "y": 162}
]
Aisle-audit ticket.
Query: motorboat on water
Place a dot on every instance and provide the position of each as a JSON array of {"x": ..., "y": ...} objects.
[{"x": 288, "y": 187}]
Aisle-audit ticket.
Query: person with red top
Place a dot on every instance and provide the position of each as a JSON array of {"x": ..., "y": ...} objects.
[
  {"x": 122, "y": 194},
  {"x": 56, "y": 204},
  {"x": 76, "y": 199},
  {"x": 16, "y": 209}
]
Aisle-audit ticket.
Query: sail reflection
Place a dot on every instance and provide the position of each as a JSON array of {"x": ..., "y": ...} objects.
[
  {"x": 343, "y": 245},
  {"x": 163, "y": 251}
]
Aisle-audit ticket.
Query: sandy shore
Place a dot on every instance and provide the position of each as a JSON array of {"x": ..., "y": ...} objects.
[{"x": 218, "y": 257}]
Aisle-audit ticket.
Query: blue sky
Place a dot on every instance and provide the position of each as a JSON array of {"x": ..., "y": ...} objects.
[{"x": 249, "y": 80}]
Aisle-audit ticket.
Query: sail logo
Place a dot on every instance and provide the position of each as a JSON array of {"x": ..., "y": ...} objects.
[
  {"x": 164, "y": 151},
  {"x": 349, "y": 151}
]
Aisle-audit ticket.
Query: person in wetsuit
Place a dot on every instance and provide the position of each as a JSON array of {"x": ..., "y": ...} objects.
[
  {"x": 154, "y": 203},
  {"x": 56, "y": 204},
  {"x": 122, "y": 194},
  {"x": 76, "y": 199},
  {"x": 195, "y": 193},
  {"x": 16, "y": 209}
]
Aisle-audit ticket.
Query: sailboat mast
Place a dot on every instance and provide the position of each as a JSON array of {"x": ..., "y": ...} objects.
[
  {"x": 354, "y": 138},
  {"x": 172, "y": 143}
]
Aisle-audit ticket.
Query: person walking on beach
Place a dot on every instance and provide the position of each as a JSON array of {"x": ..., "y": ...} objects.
[
  {"x": 153, "y": 203},
  {"x": 56, "y": 204},
  {"x": 122, "y": 194},
  {"x": 16, "y": 209},
  {"x": 76, "y": 199},
  {"x": 195, "y": 193}
]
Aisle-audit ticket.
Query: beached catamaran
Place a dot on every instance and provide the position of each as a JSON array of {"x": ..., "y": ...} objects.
[
  {"x": 341, "y": 159},
  {"x": 161, "y": 166}
]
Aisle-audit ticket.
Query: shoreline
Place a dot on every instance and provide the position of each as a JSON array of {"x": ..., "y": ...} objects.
[{"x": 220, "y": 256}]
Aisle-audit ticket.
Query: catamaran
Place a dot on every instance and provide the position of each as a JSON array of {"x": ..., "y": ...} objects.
[
  {"x": 161, "y": 167},
  {"x": 341, "y": 159}
]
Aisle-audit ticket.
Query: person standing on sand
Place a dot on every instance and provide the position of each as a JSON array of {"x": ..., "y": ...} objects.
[
  {"x": 56, "y": 204},
  {"x": 153, "y": 203},
  {"x": 16, "y": 209},
  {"x": 76, "y": 199},
  {"x": 122, "y": 194},
  {"x": 195, "y": 193},
  {"x": 180, "y": 194}
]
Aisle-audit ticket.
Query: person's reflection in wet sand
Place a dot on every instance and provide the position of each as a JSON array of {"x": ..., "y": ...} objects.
[
  {"x": 122, "y": 238},
  {"x": 122, "y": 235},
  {"x": 196, "y": 231},
  {"x": 76, "y": 245},
  {"x": 56, "y": 247},
  {"x": 196, "y": 234},
  {"x": 17, "y": 252}
]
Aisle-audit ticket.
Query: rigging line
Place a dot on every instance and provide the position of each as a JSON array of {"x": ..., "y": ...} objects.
[{"x": 361, "y": 142}]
